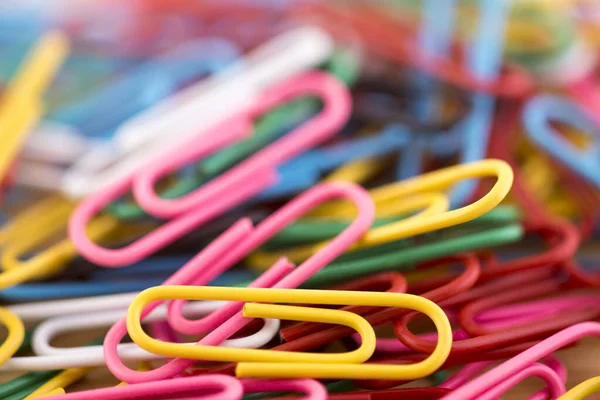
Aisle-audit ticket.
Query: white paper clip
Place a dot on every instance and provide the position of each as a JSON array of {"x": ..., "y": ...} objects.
[
  {"x": 197, "y": 108},
  {"x": 98, "y": 312}
]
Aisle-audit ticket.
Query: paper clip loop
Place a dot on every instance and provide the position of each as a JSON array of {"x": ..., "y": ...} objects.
[{"x": 273, "y": 364}]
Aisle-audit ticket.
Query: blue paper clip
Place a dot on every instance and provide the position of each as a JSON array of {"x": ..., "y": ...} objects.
[
  {"x": 435, "y": 38},
  {"x": 484, "y": 62},
  {"x": 469, "y": 136},
  {"x": 305, "y": 170},
  {"x": 140, "y": 276},
  {"x": 537, "y": 117},
  {"x": 95, "y": 115}
]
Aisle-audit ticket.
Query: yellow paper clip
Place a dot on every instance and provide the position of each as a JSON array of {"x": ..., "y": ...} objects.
[
  {"x": 54, "y": 392},
  {"x": 21, "y": 105},
  {"x": 15, "y": 337},
  {"x": 48, "y": 219},
  {"x": 59, "y": 382},
  {"x": 281, "y": 364},
  {"x": 433, "y": 218},
  {"x": 428, "y": 203},
  {"x": 583, "y": 390}
]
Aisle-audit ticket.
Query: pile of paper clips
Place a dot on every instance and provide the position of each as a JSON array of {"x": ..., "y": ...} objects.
[{"x": 253, "y": 199}]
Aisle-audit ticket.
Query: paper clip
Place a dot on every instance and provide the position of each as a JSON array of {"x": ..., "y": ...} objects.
[
  {"x": 332, "y": 118},
  {"x": 221, "y": 257},
  {"x": 49, "y": 357},
  {"x": 313, "y": 341},
  {"x": 49, "y": 218},
  {"x": 197, "y": 108},
  {"x": 259, "y": 170},
  {"x": 433, "y": 219},
  {"x": 582, "y": 390},
  {"x": 21, "y": 104},
  {"x": 230, "y": 389},
  {"x": 16, "y": 334},
  {"x": 543, "y": 109},
  {"x": 303, "y": 365},
  {"x": 488, "y": 380},
  {"x": 226, "y": 387}
]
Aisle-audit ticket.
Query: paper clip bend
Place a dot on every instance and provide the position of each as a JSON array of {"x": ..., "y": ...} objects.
[
  {"x": 309, "y": 365},
  {"x": 437, "y": 180},
  {"x": 16, "y": 334}
]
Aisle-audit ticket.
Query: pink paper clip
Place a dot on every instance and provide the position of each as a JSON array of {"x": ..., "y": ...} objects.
[
  {"x": 225, "y": 192},
  {"x": 313, "y": 389},
  {"x": 263, "y": 232},
  {"x": 202, "y": 387},
  {"x": 229, "y": 249},
  {"x": 471, "y": 370},
  {"x": 333, "y": 116},
  {"x": 484, "y": 383}
]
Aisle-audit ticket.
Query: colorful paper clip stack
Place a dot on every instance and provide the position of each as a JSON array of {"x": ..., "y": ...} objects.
[{"x": 262, "y": 199}]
